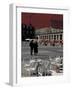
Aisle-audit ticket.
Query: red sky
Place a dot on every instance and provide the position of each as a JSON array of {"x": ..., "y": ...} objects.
[{"x": 41, "y": 20}]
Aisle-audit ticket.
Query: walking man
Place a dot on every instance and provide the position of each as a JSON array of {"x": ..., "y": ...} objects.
[{"x": 31, "y": 47}]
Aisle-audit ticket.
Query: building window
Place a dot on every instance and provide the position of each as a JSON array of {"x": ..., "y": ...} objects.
[
  {"x": 61, "y": 37},
  {"x": 54, "y": 37}
]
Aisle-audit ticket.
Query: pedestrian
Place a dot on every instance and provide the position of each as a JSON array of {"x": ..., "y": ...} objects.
[
  {"x": 35, "y": 44},
  {"x": 31, "y": 47}
]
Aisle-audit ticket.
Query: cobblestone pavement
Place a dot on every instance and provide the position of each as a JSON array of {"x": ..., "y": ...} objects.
[{"x": 44, "y": 52}]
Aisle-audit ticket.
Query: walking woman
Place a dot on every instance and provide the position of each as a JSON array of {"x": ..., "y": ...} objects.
[
  {"x": 35, "y": 47},
  {"x": 31, "y": 47}
]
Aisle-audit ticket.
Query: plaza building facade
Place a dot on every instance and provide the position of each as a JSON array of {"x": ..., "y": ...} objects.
[{"x": 50, "y": 36}]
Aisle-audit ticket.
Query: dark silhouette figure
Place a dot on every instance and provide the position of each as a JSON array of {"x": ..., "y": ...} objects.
[
  {"x": 31, "y": 47},
  {"x": 35, "y": 47}
]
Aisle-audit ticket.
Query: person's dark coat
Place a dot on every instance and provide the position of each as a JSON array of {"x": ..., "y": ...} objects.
[
  {"x": 35, "y": 47},
  {"x": 31, "y": 47},
  {"x": 31, "y": 44}
]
